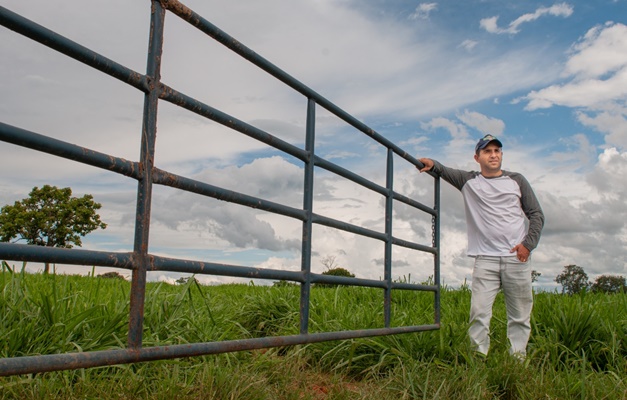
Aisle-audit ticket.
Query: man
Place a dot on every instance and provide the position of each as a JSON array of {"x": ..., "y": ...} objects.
[{"x": 500, "y": 239}]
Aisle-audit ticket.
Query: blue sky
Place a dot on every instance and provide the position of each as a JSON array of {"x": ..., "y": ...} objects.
[{"x": 548, "y": 78}]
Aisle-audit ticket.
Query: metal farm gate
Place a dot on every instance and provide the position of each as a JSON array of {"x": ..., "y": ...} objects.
[{"x": 140, "y": 261}]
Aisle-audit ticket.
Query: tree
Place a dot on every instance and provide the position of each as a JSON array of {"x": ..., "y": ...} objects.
[
  {"x": 573, "y": 279},
  {"x": 535, "y": 275},
  {"x": 609, "y": 284},
  {"x": 339, "y": 271},
  {"x": 330, "y": 264},
  {"x": 50, "y": 217}
]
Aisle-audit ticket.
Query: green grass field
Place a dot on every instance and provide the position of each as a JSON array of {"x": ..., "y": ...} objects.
[{"x": 578, "y": 348}]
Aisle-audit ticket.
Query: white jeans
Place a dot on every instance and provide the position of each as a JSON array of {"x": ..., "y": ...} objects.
[{"x": 488, "y": 276}]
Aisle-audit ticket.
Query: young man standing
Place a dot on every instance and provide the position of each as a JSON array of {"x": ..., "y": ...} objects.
[{"x": 504, "y": 220}]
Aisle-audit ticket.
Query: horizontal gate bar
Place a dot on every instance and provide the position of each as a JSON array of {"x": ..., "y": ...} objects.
[
  {"x": 56, "y": 362},
  {"x": 46, "y": 144},
  {"x": 24, "y": 252},
  {"x": 70, "y": 48},
  {"x": 180, "y": 182},
  {"x": 200, "y": 108},
  {"x": 58, "y": 255}
]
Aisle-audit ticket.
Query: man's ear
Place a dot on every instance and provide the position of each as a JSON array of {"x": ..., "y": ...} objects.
[{"x": 476, "y": 158}]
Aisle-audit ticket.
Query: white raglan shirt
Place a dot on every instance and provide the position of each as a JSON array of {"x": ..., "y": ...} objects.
[
  {"x": 501, "y": 212},
  {"x": 496, "y": 222}
]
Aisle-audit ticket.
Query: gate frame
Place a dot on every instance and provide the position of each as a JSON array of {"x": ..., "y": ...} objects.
[{"x": 140, "y": 261}]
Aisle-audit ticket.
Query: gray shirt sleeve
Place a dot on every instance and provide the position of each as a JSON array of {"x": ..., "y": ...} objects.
[
  {"x": 455, "y": 177},
  {"x": 531, "y": 208}
]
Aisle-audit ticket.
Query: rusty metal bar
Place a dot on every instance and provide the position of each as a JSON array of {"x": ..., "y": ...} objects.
[
  {"x": 57, "y": 255},
  {"x": 387, "y": 258},
  {"x": 23, "y": 252},
  {"x": 205, "y": 189},
  {"x": 67, "y": 361},
  {"x": 72, "y": 49},
  {"x": 308, "y": 188},
  {"x": 195, "y": 106},
  {"x": 436, "y": 244},
  {"x": 45, "y": 144},
  {"x": 144, "y": 186}
]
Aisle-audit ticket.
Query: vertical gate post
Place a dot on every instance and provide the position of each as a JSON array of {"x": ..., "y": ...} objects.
[
  {"x": 305, "y": 288},
  {"x": 389, "y": 204},
  {"x": 436, "y": 245},
  {"x": 144, "y": 189}
]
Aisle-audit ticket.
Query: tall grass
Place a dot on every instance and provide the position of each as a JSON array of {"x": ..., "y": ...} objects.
[{"x": 578, "y": 348}]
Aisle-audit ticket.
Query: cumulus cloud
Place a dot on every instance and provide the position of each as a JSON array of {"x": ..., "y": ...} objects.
[
  {"x": 456, "y": 130},
  {"x": 221, "y": 224},
  {"x": 590, "y": 93},
  {"x": 482, "y": 123},
  {"x": 586, "y": 218},
  {"x": 602, "y": 50},
  {"x": 597, "y": 83},
  {"x": 557, "y": 10},
  {"x": 464, "y": 131},
  {"x": 612, "y": 123},
  {"x": 610, "y": 174}
]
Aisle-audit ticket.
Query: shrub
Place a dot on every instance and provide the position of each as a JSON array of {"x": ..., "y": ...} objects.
[{"x": 112, "y": 275}]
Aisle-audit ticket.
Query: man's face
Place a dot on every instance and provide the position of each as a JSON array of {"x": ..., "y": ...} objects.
[{"x": 490, "y": 159}]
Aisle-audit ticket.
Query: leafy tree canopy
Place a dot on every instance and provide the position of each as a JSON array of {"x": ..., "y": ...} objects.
[
  {"x": 50, "y": 217},
  {"x": 573, "y": 279},
  {"x": 609, "y": 284},
  {"x": 339, "y": 271}
]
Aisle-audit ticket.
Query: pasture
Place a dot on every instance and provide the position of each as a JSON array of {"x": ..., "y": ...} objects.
[{"x": 578, "y": 348}]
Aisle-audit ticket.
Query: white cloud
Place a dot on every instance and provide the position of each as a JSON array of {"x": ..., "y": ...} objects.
[
  {"x": 482, "y": 123},
  {"x": 468, "y": 44},
  {"x": 592, "y": 93},
  {"x": 612, "y": 123},
  {"x": 220, "y": 224},
  {"x": 457, "y": 131},
  {"x": 586, "y": 220},
  {"x": 490, "y": 24},
  {"x": 423, "y": 11},
  {"x": 602, "y": 50},
  {"x": 558, "y": 10},
  {"x": 597, "y": 69}
]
